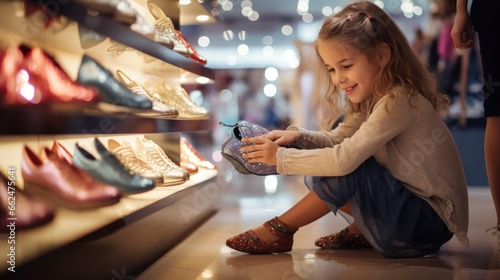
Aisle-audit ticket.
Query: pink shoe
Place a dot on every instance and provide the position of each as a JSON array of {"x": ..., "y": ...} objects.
[
  {"x": 249, "y": 242},
  {"x": 56, "y": 182},
  {"x": 28, "y": 211}
]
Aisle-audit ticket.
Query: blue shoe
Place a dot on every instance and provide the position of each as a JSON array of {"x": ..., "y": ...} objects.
[
  {"x": 110, "y": 170},
  {"x": 113, "y": 94}
]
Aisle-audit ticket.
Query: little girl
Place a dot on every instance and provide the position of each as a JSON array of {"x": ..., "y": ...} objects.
[{"x": 391, "y": 164}]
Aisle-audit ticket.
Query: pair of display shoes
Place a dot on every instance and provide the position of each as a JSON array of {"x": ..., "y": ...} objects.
[{"x": 249, "y": 242}]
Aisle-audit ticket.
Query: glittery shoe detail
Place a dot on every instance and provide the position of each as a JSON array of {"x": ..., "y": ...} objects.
[
  {"x": 249, "y": 242},
  {"x": 343, "y": 240},
  {"x": 231, "y": 148}
]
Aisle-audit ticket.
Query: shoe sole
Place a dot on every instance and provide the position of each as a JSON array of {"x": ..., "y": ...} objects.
[{"x": 39, "y": 191}]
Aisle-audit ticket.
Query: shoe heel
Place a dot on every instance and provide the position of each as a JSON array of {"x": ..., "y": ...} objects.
[{"x": 237, "y": 165}]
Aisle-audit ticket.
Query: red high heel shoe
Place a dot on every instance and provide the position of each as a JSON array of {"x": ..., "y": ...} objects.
[{"x": 249, "y": 242}]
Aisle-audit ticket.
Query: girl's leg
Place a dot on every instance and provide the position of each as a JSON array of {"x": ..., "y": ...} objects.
[
  {"x": 344, "y": 211},
  {"x": 352, "y": 226},
  {"x": 307, "y": 210}
]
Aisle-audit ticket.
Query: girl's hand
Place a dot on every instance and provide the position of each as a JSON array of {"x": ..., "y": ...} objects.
[
  {"x": 261, "y": 150},
  {"x": 282, "y": 137}
]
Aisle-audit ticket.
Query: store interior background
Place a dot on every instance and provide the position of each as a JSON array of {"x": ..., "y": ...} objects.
[{"x": 266, "y": 66}]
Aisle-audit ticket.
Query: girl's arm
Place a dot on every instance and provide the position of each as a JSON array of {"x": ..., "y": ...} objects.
[
  {"x": 341, "y": 159},
  {"x": 321, "y": 139}
]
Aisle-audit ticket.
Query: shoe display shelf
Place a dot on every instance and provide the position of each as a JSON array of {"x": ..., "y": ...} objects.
[
  {"x": 121, "y": 33},
  {"x": 123, "y": 239}
]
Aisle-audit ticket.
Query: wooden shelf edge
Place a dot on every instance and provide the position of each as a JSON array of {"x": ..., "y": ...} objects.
[{"x": 70, "y": 119}]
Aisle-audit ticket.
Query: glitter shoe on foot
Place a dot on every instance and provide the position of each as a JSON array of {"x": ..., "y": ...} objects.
[
  {"x": 343, "y": 240},
  {"x": 249, "y": 242}
]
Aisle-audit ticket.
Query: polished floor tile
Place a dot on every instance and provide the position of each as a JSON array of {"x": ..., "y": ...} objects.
[{"x": 247, "y": 201}]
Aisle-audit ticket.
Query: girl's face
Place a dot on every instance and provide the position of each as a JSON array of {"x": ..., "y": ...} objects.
[{"x": 350, "y": 71}]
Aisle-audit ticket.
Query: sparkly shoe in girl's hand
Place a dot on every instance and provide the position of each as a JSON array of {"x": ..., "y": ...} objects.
[{"x": 231, "y": 148}]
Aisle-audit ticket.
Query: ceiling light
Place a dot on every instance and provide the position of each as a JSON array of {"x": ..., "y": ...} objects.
[
  {"x": 202, "y": 80},
  {"x": 327, "y": 11},
  {"x": 254, "y": 16},
  {"x": 246, "y": 11},
  {"x": 243, "y": 49},
  {"x": 270, "y": 90},
  {"x": 271, "y": 74},
  {"x": 228, "y": 35},
  {"x": 307, "y": 17},
  {"x": 203, "y": 41},
  {"x": 379, "y": 3},
  {"x": 268, "y": 50},
  {"x": 267, "y": 40},
  {"x": 417, "y": 10},
  {"x": 407, "y": 7},
  {"x": 302, "y": 8},
  {"x": 286, "y": 30},
  {"x": 225, "y": 95},
  {"x": 184, "y": 2},
  {"x": 242, "y": 35},
  {"x": 227, "y": 6},
  {"x": 246, "y": 3},
  {"x": 202, "y": 18}
]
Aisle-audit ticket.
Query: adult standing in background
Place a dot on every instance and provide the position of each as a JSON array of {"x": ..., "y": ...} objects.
[{"x": 483, "y": 16}]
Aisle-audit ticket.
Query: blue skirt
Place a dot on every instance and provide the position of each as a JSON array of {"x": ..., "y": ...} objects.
[{"x": 395, "y": 222}]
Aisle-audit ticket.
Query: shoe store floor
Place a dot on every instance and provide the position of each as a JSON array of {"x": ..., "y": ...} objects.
[{"x": 247, "y": 201}]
